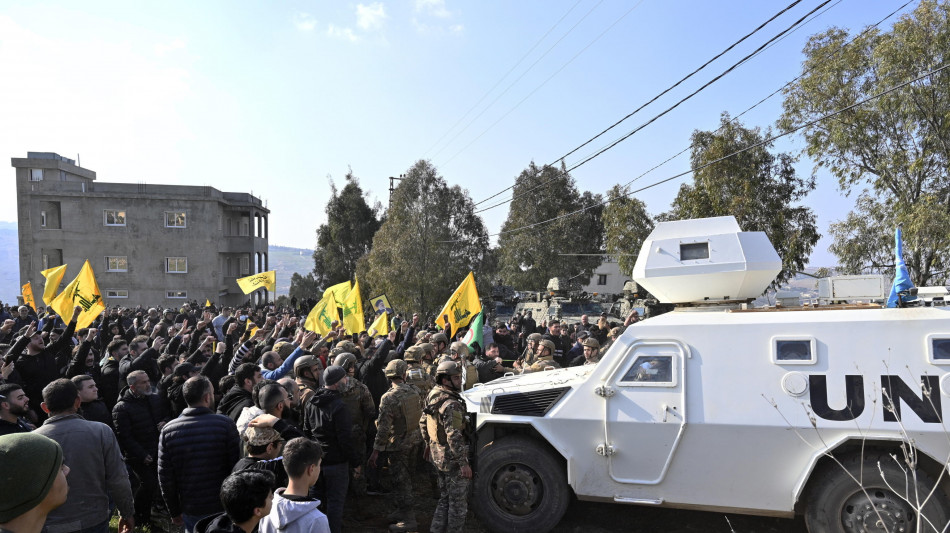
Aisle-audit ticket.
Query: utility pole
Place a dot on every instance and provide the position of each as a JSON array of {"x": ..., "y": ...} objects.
[{"x": 392, "y": 187}]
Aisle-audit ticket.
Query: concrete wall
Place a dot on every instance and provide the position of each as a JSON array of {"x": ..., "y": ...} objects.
[
  {"x": 212, "y": 234},
  {"x": 614, "y": 279}
]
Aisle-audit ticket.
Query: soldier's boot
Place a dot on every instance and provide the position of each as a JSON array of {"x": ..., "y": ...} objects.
[{"x": 408, "y": 524}]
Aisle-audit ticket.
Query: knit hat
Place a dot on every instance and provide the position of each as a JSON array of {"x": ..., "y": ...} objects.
[
  {"x": 261, "y": 436},
  {"x": 31, "y": 463},
  {"x": 333, "y": 374}
]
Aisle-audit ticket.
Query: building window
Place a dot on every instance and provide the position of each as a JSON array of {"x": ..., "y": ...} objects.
[
  {"x": 245, "y": 226},
  {"x": 245, "y": 265},
  {"x": 42, "y": 219},
  {"x": 45, "y": 261},
  {"x": 176, "y": 294},
  {"x": 113, "y": 217},
  {"x": 117, "y": 293},
  {"x": 175, "y": 219},
  {"x": 36, "y": 174},
  {"x": 176, "y": 265},
  {"x": 117, "y": 263},
  {"x": 601, "y": 279}
]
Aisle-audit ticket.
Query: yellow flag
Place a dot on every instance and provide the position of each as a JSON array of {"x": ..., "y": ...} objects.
[
  {"x": 251, "y": 326},
  {"x": 54, "y": 276},
  {"x": 353, "y": 310},
  {"x": 322, "y": 315},
  {"x": 27, "y": 291},
  {"x": 381, "y": 324},
  {"x": 340, "y": 291},
  {"x": 266, "y": 280},
  {"x": 462, "y": 306},
  {"x": 207, "y": 302},
  {"x": 84, "y": 292}
]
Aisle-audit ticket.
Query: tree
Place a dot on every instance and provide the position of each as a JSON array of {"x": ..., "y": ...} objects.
[
  {"x": 626, "y": 225},
  {"x": 430, "y": 241},
  {"x": 757, "y": 187},
  {"x": 529, "y": 257},
  {"x": 892, "y": 150},
  {"x": 346, "y": 236},
  {"x": 304, "y": 287}
]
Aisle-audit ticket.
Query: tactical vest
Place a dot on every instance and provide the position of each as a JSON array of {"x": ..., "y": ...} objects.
[
  {"x": 411, "y": 409},
  {"x": 351, "y": 399},
  {"x": 417, "y": 376},
  {"x": 435, "y": 403}
]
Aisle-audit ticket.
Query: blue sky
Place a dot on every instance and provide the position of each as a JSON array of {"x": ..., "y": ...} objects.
[{"x": 277, "y": 98}]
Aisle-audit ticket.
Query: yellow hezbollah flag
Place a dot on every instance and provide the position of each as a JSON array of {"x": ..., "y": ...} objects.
[
  {"x": 27, "y": 291},
  {"x": 353, "y": 310},
  {"x": 462, "y": 306},
  {"x": 266, "y": 280},
  {"x": 251, "y": 327},
  {"x": 207, "y": 302},
  {"x": 54, "y": 276},
  {"x": 340, "y": 291},
  {"x": 84, "y": 292},
  {"x": 381, "y": 324},
  {"x": 322, "y": 315}
]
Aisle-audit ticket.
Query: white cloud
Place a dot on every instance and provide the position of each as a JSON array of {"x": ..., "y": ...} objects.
[
  {"x": 305, "y": 21},
  {"x": 161, "y": 49},
  {"x": 342, "y": 33},
  {"x": 371, "y": 17},
  {"x": 433, "y": 7},
  {"x": 457, "y": 28}
]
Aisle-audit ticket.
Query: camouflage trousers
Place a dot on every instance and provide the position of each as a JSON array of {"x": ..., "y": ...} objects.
[
  {"x": 449, "y": 515},
  {"x": 401, "y": 481},
  {"x": 358, "y": 482}
]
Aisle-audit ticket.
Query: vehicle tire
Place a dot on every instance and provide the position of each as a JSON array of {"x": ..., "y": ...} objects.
[
  {"x": 837, "y": 504},
  {"x": 520, "y": 486}
]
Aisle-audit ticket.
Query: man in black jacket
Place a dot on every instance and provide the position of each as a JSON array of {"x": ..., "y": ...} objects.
[
  {"x": 327, "y": 421},
  {"x": 196, "y": 453},
  {"x": 138, "y": 417},
  {"x": 239, "y": 396},
  {"x": 42, "y": 363}
]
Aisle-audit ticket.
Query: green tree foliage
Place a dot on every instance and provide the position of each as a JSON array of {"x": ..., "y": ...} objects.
[
  {"x": 347, "y": 235},
  {"x": 430, "y": 241},
  {"x": 528, "y": 258},
  {"x": 893, "y": 150},
  {"x": 757, "y": 187},
  {"x": 304, "y": 286},
  {"x": 626, "y": 225}
]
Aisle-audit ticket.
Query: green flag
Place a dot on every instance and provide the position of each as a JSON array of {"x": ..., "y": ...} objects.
[{"x": 474, "y": 333}]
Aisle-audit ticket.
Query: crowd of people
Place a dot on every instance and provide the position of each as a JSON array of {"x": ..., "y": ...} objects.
[{"x": 241, "y": 420}]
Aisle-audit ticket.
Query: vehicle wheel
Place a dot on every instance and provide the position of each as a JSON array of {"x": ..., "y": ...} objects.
[
  {"x": 838, "y": 504},
  {"x": 520, "y": 486}
]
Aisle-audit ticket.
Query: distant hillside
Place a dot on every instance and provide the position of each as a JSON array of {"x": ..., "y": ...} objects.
[
  {"x": 286, "y": 261},
  {"x": 283, "y": 259}
]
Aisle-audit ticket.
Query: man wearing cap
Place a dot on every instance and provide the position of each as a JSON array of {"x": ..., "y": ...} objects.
[
  {"x": 264, "y": 446},
  {"x": 34, "y": 481},
  {"x": 614, "y": 335},
  {"x": 327, "y": 421},
  {"x": 99, "y": 475}
]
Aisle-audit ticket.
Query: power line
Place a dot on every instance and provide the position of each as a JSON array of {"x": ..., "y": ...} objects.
[
  {"x": 667, "y": 110},
  {"x": 723, "y": 158},
  {"x": 513, "y": 83},
  {"x": 668, "y": 89},
  {"x": 497, "y": 83}
]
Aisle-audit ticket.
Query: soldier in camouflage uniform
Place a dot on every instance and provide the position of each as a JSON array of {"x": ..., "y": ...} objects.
[
  {"x": 359, "y": 404},
  {"x": 416, "y": 374},
  {"x": 397, "y": 435},
  {"x": 591, "y": 351},
  {"x": 444, "y": 424},
  {"x": 545, "y": 358},
  {"x": 308, "y": 372},
  {"x": 530, "y": 353},
  {"x": 428, "y": 358},
  {"x": 458, "y": 352}
]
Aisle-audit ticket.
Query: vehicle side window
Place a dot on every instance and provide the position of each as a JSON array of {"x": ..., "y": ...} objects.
[
  {"x": 794, "y": 350},
  {"x": 650, "y": 369},
  {"x": 938, "y": 348}
]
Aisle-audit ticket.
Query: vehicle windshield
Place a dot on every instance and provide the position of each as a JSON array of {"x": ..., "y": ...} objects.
[
  {"x": 593, "y": 308},
  {"x": 504, "y": 310},
  {"x": 571, "y": 309}
]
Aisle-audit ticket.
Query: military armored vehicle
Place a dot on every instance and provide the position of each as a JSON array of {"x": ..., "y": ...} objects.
[
  {"x": 636, "y": 297},
  {"x": 834, "y": 412},
  {"x": 563, "y": 300}
]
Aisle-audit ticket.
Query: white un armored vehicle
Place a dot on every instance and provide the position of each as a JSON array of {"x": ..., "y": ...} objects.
[{"x": 720, "y": 407}]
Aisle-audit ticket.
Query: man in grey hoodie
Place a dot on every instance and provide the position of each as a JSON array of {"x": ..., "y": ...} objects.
[{"x": 293, "y": 510}]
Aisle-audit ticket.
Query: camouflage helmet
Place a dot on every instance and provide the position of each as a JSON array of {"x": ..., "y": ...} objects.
[
  {"x": 592, "y": 342},
  {"x": 448, "y": 368},
  {"x": 345, "y": 360},
  {"x": 348, "y": 346},
  {"x": 335, "y": 352},
  {"x": 413, "y": 354},
  {"x": 460, "y": 348},
  {"x": 615, "y": 332},
  {"x": 549, "y": 345},
  {"x": 395, "y": 369},
  {"x": 427, "y": 348},
  {"x": 306, "y": 361},
  {"x": 534, "y": 337},
  {"x": 439, "y": 337}
]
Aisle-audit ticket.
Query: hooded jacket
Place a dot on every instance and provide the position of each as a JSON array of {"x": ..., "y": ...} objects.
[
  {"x": 294, "y": 516},
  {"x": 327, "y": 421},
  {"x": 218, "y": 523},
  {"x": 234, "y": 401}
]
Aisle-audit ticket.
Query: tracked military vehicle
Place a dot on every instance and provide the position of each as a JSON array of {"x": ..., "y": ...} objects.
[
  {"x": 831, "y": 411},
  {"x": 563, "y": 300}
]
